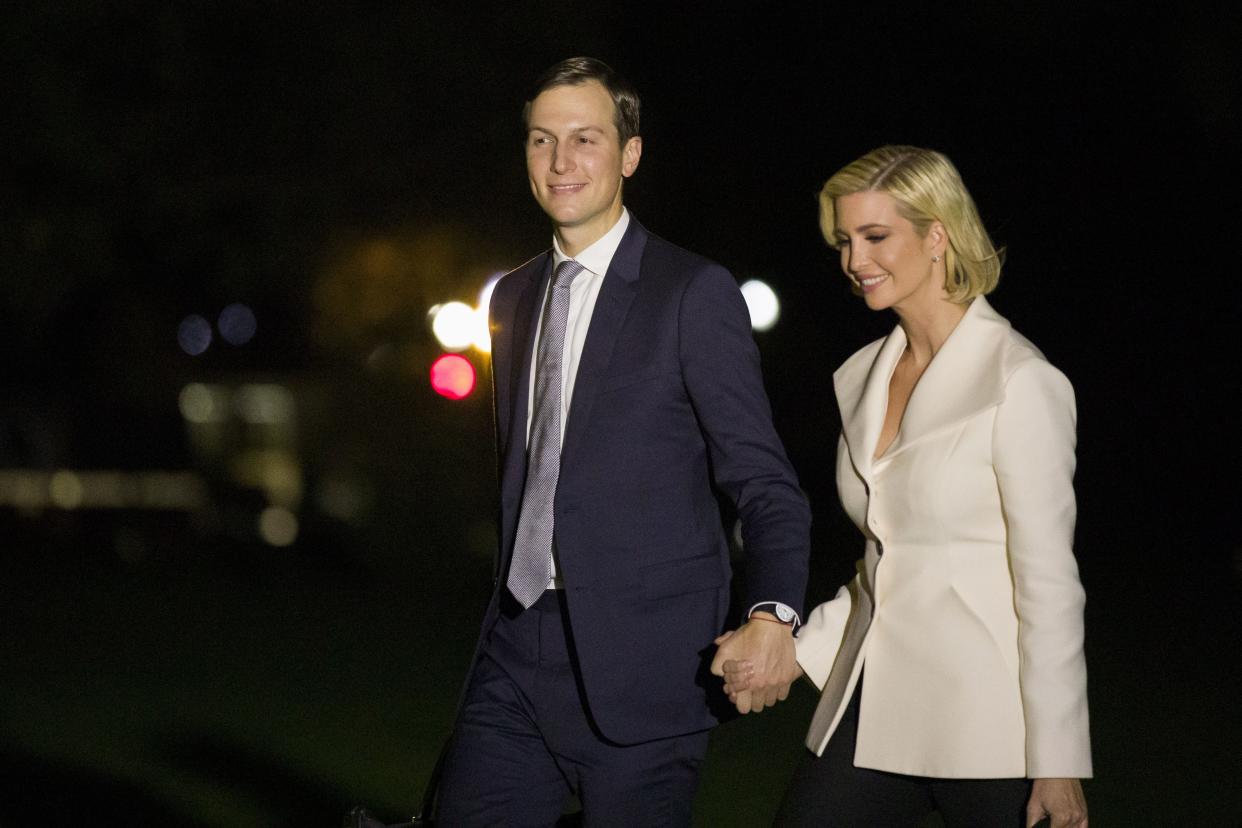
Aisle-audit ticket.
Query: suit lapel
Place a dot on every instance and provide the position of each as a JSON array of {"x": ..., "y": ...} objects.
[
  {"x": 611, "y": 306},
  {"x": 525, "y": 320}
]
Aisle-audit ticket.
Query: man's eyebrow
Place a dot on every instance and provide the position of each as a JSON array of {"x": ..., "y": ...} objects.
[{"x": 575, "y": 131}]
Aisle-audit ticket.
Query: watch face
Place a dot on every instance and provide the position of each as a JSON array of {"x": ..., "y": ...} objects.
[{"x": 784, "y": 613}]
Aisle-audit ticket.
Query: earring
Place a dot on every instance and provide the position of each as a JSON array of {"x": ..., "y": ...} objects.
[{"x": 935, "y": 258}]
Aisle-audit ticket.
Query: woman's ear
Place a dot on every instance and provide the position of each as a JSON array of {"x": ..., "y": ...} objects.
[{"x": 937, "y": 239}]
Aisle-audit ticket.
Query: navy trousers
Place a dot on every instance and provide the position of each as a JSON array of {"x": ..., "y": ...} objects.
[
  {"x": 828, "y": 791},
  {"x": 525, "y": 743}
]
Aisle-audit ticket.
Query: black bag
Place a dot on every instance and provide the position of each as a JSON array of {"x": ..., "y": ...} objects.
[{"x": 360, "y": 817}]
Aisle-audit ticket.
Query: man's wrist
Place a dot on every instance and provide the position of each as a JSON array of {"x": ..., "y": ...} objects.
[{"x": 777, "y": 612}]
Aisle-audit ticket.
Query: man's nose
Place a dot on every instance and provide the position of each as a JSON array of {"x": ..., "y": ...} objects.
[{"x": 563, "y": 159}]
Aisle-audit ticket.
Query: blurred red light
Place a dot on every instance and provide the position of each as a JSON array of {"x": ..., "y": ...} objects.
[{"x": 452, "y": 376}]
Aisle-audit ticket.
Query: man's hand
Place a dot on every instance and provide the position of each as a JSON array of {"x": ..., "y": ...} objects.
[
  {"x": 760, "y": 653},
  {"x": 1061, "y": 800}
]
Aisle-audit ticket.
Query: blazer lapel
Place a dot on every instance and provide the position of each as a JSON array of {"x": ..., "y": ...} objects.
[
  {"x": 611, "y": 307},
  {"x": 965, "y": 377},
  {"x": 861, "y": 385}
]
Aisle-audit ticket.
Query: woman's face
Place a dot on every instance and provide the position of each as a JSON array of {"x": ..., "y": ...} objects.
[{"x": 884, "y": 256}]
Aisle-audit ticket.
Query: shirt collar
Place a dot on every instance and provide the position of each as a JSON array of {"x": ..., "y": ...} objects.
[{"x": 598, "y": 256}]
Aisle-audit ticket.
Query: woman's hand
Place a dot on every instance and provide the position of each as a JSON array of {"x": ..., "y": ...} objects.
[
  {"x": 737, "y": 674},
  {"x": 1059, "y": 799}
]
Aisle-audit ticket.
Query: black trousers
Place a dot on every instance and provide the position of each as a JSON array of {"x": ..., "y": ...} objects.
[
  {"x": 525, "y": 742},
  {"x": 828, "y": 791}
]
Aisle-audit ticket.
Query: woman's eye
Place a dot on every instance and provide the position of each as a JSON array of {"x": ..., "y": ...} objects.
[{"x": 876, "y": 239}]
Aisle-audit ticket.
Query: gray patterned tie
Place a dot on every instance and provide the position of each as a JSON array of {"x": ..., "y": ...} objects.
[{"x": 531, "y": 568}]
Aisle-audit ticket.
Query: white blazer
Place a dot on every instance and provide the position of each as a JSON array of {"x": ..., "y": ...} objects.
[{"x": 967, "y": 608}]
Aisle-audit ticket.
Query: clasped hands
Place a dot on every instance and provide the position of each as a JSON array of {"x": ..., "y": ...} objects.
[{"x": 757, "y": 662}]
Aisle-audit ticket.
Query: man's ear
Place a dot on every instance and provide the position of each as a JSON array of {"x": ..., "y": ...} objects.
[{"x": 630, "y": 155}]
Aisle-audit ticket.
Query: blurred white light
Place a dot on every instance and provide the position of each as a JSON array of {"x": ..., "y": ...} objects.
[
  {"x": 66, "y": 490},
  {"x": 762, "y": 303},
  {"x": 194, "y": 334},
  {"x": 485, "y": 295},
  {"x": 455, "y": 326},
  {"x": 237, "y": 324},
  {"x": 482, "y": 340},
  {"x": 278, "y": 526}
]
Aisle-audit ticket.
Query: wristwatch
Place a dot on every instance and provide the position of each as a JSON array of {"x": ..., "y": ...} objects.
[{"x": 783, "y": 613}]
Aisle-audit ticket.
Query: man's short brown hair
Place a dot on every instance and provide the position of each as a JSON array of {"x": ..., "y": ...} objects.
[{"x": 578, "y": 70}]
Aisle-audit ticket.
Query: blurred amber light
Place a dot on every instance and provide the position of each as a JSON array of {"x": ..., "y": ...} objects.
[{"x": 33, "y": 490}]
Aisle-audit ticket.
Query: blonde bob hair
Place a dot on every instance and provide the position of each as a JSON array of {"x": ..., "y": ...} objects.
[{"x": 927, "y": 188}]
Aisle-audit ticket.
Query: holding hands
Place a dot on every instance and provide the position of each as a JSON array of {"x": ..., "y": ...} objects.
[{"x": 757, "y": 662}]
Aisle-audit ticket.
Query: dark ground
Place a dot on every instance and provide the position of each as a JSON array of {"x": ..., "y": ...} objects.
[{"x": 226, "y": 684}]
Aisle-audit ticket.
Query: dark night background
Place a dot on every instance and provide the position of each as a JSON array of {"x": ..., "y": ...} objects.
[{"x": 341, "y": 171}]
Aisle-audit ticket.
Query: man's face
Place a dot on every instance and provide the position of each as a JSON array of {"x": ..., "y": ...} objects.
[{"x": 575, "y": 160}]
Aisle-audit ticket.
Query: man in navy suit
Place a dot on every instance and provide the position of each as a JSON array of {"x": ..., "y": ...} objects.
[{"x": 628, "y": 394}]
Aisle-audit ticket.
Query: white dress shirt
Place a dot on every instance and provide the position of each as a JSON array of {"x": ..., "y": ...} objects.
[{"x": 583, "y": 291}]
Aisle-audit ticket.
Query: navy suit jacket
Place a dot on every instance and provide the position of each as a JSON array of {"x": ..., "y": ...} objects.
[{"x": 668, "y": 408}]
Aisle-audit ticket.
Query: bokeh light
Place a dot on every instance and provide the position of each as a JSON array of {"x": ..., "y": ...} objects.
[
  {"x": 237, "y": 324},
  {"x": 482, "y": 332},
  {"x": 452, "y": 376},
  {"x": 278, "y": 526},
  {"x": 202, "y": 403},
  {"x": 264, "y": 403},
  {"x": 455, "y": 326},
  {"x": 482, "y": 340},
  {"x": 194, "y": 334},
  {"x": 485, "y": 295},
  {"x": 65, "y": 489},
  {"x": 343, "y": 498},
  {"x": 762, "y": 303}
]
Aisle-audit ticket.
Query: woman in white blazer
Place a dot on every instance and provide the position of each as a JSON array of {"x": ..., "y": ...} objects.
[{"x": 955, "y": 461}]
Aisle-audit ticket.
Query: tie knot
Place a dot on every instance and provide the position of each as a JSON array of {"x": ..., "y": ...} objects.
[{"x": 565, "y": 273}]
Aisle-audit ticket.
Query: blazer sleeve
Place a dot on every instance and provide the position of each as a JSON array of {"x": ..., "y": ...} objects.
[
  {"x": 721, "y": 371},
  {"x": 1033, "y": 454},
  {"x": 819, "y": 639}
]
